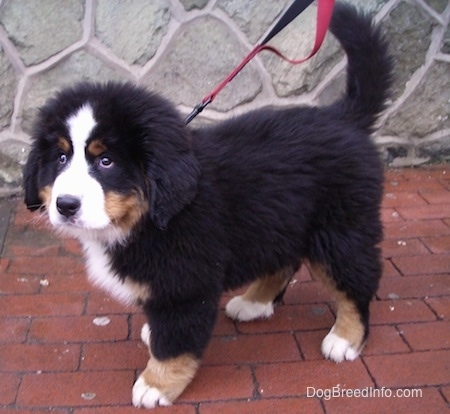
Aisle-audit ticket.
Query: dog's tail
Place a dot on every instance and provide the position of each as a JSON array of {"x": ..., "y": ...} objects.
[{"x": 369, "y": 68}]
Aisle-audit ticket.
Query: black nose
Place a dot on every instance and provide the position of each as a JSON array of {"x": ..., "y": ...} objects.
[{"x": 68, "y": 205}]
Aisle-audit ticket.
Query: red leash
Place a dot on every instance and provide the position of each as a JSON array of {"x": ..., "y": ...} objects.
[{"x": 324, "y": 12}]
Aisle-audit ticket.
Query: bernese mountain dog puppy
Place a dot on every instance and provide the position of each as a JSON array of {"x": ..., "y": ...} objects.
[{"x": 170, "y": 216}]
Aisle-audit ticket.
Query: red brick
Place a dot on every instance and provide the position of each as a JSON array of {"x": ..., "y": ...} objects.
[
  {"x": 427, "y": 336},
  {"x": 422, "y": 186},
  {"x": 252, "y": 348},
  {"x": 114, "y": 356},
  {"x": 100, "y": 303},
  {"x": 438, "y": 244},
  {"x": 402, "y": 199},
  {"x": 416, "y": 228},
  {"x": 4, "y": 263},
  {"x": 438, "y": 197},
  {"x": 286, "y": 405},
  {"x": 397, "y": 311},
  {"x": 413, "y": 286},
  {"x": 8, "y": 388},
  {"x": 219, "y": 383},
  {"x": 18, "y": 283},
  {"x": 433, "y": 211},
  {"x": 400, "y": 247},
  {"x": 384, "y": 340},
  {"x": 66, "y": 389},
  {"x": 78, "y": 329},
  {"x": 77, "y": 282},
  {"x": 390, "y": 215},
  {"x": 177, "y": 408},
  {"x": 293, "y": 379},
  {"x": 310, "y": 342},
  {"x": 440, "y": 305},
  {"x": 446, "y": 393},
  {"x": 306, "y": 292},
  {"x": 43, "y": 304},
  {"x": 35, "y": 411},
  {"x": 15, "y": 250},
  {"x": 389, "y": 269},
  {"x": 224, "y": 326},
  {"x": 417, "y": 265},
  {"x": 410, "y": 370},
  {"x": 45, "y": 265},
  {"x": 39, "y": 357},
  {"x": 291, "y": 318},
  {"x": 430, "y": 402},
  {"x": 13, "y": 329},
  {"x": 71, "y": 246}
]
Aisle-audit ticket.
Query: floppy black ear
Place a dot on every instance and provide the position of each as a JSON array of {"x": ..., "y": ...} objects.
[
  {"x": 174, "y": 181},
  {"x": 30, "y": 180}
]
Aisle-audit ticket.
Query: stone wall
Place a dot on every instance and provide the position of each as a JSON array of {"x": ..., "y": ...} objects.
[{"x": 184, "y": 48}]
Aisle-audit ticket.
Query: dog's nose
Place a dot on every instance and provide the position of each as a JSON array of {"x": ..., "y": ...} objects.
[{"x": 68, "y": 205}]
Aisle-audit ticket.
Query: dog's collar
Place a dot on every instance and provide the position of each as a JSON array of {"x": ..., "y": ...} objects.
[{"x": 324, "y": 12}]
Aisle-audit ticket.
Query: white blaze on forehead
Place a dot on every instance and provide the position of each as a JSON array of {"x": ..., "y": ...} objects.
[{"x": 81, "y": 125}]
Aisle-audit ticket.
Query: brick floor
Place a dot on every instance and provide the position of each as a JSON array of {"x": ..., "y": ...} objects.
[{"x": 54, "y": 357}]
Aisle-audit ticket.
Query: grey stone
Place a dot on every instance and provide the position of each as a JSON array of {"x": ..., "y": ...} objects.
[
  {"x": 438, "y": 5},
  {"x": 409, "y": 30},
  {"x": 40, "y": 29},
  {"x": 132, "y": 29},
  {"x": 8, "y": 85},
  {"x": 253, "y": 17},
  {"x": 80, "y": 66},
  {"x": 296, "y": 42},
  {"x": 446, "y": 42},
  {"x": 438, "y": 151},
  {"x": 11, "y": 153},
  {"x": 185, "y": 77},
  {"x": 193, "y": 4},
  {"x": 427, "y": 109}
]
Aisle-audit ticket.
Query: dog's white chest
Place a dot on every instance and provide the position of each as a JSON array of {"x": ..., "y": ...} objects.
[{"x": 102, "y": 275}]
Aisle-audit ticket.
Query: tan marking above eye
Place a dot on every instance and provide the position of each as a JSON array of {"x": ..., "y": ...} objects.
[
  {"x": 96, "y": 147},
  {"x": 64, "y": 144}
]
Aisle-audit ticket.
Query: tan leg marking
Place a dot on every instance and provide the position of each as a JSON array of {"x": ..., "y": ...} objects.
[
  {"x": 163, "y": 381},
  {"x": 267, "y": 288},
  {"x": 348, "y": 325},
  {"x": 257, "y": 301}
]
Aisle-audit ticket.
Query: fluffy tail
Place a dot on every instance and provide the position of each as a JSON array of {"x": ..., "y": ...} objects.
[{"x": 369, "y": 70}]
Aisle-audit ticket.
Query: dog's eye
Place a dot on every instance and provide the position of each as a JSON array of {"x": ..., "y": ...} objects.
[
  {"x": 105, "y": 162},
  {"x": 62, "y": 159}
]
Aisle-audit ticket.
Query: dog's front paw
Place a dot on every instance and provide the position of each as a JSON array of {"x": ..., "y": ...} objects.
[
  {"x": 146, "y": 396},
  {"x": 244, "y": 310},
  {"x": 338, "y": 349},
  {"x": 163, "y": 380}
]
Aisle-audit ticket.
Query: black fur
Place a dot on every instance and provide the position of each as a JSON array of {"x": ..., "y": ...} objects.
[{"x": 242, "y": 199}]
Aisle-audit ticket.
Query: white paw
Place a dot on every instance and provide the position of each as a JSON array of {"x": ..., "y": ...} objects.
[
  {"x": 145, "y": 334},
  {"x": 244, "y": 310},
  {"x": 145, "y": 396},
  {"x": 338, "y": 349}
]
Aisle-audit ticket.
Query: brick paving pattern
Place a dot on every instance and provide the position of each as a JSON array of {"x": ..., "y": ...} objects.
[{"x": 55, "y": 354}]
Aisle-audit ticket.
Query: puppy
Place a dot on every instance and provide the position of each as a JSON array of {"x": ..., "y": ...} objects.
[{"x": 170, "y": 217}]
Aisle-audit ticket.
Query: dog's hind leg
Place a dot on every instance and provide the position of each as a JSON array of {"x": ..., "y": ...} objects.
[
  {"x": 258, "y": 301},
  {"x": 348, "y": 335}
]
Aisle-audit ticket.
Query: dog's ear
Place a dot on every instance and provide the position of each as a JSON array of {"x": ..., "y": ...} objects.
[
  {"x": 30, "y": 180},
  {"x": 174, "y": 180}
]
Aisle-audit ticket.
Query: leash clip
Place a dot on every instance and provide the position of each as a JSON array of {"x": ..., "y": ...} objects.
[{"x": 199, "y": 108}]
